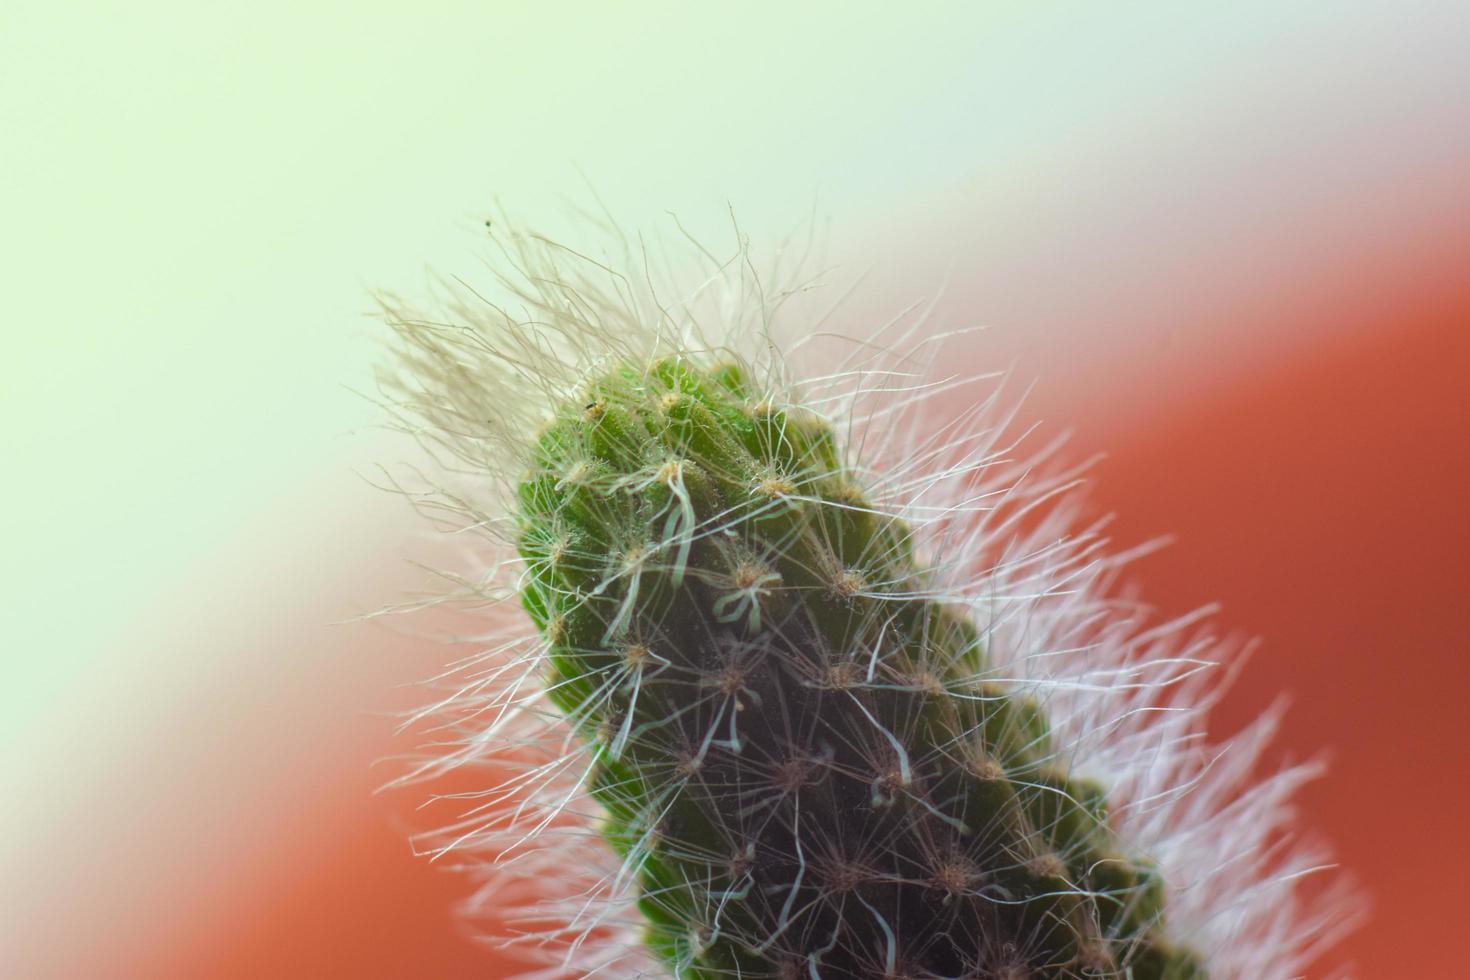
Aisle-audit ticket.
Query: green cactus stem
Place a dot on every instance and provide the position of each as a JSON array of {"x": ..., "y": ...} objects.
[{"x": 796, "y": 741}]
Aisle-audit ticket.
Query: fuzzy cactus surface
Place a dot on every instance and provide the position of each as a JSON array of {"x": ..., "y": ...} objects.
[
  {"x": 796, "y": 742},
  {"x": 775, "y": 671}
]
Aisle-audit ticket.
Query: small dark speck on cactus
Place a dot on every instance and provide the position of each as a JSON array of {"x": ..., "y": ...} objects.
[{"x": 812, "y": 691}]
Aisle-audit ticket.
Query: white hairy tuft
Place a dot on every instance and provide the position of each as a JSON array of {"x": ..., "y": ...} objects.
[{"x": 1126, "y": 695}]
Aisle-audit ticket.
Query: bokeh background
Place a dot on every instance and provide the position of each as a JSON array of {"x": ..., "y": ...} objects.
[{"x": 1231, "y": 243}]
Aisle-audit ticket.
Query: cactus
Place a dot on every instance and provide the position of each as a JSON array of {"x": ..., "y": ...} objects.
[
  {"x": 794, "y": 739},
  {"x": 811, "y": 745}
]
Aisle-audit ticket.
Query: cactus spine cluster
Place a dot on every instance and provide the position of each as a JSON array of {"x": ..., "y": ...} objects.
[{"x": 798, "y": 743}]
